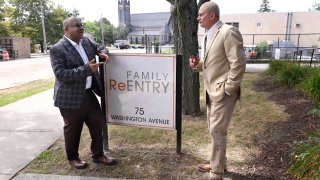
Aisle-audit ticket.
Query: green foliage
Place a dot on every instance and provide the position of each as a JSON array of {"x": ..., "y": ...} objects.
[
  {"x": 316, "y": 7},
  {"x": 23, "y": 19},
  {"x": 291, "y": 75},
  {"x": 264, "y": 7},
  {"x": 287, "y": 72},
  {"x": 314, "y": 111},
  {"x": 262, "y": 49},
  {"x": 95, "y": 28},
  {"x": 276, "y": 66},
  {"x": 121, "y": 32},
  {"x": 2, "y": 10},
  {"x": 306, "y": 158},
  {"x": 12, "y": 95},
  {"x": 306, "y": 154},
  {"x": 54, "y": 24},
  {"x": 311, "y": 84}
]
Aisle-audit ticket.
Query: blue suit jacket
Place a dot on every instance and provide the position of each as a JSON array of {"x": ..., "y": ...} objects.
[{"x": 71, "y": 73}]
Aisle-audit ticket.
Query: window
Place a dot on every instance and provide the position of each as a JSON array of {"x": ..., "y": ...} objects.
[
  {"x": 235, "y": 24},
  {"x": 259, "y": 24},
  {"x": 298, "y": 25}
]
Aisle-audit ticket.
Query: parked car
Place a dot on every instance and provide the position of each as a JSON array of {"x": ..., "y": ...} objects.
[
  {"x": 304, "y": 58},
  {"x": 1, "y": 53},
  {"x": 122, "y": 44}
]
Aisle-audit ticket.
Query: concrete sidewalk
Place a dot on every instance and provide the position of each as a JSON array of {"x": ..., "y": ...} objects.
[{"x": 27, "y": 128}]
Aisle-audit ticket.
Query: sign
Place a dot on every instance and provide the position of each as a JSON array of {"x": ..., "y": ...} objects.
[
  {"x": 141, "y": 90},
  {"x": 277, "y": 54}
]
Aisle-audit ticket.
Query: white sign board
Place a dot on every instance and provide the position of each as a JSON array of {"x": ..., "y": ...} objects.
[
  {"x": 277, "y": 54},
  {"x": 140, "y": 90}
]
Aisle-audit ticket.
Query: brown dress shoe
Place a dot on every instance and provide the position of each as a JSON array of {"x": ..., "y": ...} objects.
[
  {"x": 78, "y": 164},
  {"x": 105, "y": 160},
  {"x": 204, "y": 167},
  {"x": 207, "y": 168}
]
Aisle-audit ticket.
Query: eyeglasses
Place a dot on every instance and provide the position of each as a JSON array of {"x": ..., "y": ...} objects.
[{"x": 78, "y": 25}]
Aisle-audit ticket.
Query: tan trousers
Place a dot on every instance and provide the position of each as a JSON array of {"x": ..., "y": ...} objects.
[{"x": 219, "y": 116}]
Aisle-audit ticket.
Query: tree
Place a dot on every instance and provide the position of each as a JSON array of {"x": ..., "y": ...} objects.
[
  {"x": 316, "y": 7},
  {"x": 25, "y": 20},
  {"x": 95, "y": 28},
  {"x": 264, "y": 7},
  {"x": 107, "y": 30},
  {"x": 3, "y": 24},
  {"x": 185, "y": 27},
  {"x": 121, "y": 32},
  {"x": 2, "y": 10},
  {"x": 75, "y": 13},
  {"x": 54, "y": 24}
]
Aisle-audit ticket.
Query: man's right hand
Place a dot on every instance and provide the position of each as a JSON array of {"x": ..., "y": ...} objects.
[
  {"x": 94, "y": 66},
  {"x": 194, "y": 65}
]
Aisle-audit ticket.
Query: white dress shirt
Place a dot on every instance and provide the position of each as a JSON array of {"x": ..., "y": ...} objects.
[{"x": 84, "y": 57}]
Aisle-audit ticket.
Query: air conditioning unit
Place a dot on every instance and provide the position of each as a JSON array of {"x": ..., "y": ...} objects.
[{"x": 298, "y": 25}]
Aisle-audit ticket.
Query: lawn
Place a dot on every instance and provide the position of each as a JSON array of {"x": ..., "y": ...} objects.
[{"x": 145, "y": 153}]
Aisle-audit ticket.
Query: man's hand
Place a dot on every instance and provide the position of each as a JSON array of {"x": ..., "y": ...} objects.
[
  {"x": 194, "y": 65},
  {"x": 104, "y": 56},
  {"x": 94, "y": 66}
]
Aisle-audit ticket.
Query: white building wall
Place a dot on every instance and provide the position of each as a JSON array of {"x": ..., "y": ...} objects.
[{"x": 275, "y": 23}]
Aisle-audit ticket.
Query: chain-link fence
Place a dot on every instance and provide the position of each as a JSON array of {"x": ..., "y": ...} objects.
[
  {"x": 282, "y": 46},
  {"x": 256, "y": 46}
]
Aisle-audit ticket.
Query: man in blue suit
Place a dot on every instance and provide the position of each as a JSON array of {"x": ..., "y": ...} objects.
[{"x": 76, "y": 83}]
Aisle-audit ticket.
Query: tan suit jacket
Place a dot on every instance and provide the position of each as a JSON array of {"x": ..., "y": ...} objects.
[{"x": 223, "y": 63}]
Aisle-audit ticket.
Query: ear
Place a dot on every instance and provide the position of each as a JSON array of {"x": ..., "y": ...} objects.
[{"x": 212, "y": 16}]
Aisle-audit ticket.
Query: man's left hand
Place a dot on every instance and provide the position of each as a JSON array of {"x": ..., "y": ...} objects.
[{"x": 104, "y": 56}]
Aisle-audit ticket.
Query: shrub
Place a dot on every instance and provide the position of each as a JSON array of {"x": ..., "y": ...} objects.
[
  {"x": 306, "y": 158},
  {"x": 276, "y": 66},
  {"x": 311, "y": 84},
  {"x": 262, "y": 49},
  {"x": 290, "y": 74}
]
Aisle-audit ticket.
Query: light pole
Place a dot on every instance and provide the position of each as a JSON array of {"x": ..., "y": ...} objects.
[
  {"x": 43, "y": 28},
  {"x": 102, "y": 31}
]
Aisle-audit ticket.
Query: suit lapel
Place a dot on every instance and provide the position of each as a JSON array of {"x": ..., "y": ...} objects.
[
  {"x": 72, "y": 50},
  {"x": 212, "y": 40}
]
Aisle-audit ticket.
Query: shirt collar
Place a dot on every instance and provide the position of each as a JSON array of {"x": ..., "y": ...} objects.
[
  {"x": 213, "y": 29},
  {"x": 74, "y": 43}
]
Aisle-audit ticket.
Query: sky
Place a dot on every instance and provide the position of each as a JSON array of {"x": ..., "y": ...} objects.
[{"x": 95, "y": 9}]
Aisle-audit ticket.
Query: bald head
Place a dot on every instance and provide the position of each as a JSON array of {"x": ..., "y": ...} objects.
[
  {"x": 70, "y": 21},
  {"x": 210, "y": 7}
]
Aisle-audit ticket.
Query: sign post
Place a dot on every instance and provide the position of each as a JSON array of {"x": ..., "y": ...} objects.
[{"x": 179, "y": 101}]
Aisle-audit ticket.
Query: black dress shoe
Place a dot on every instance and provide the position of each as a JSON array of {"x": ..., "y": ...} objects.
[
  {"x": 78, "y": 164},
  {"x": 105, "y": 160}
]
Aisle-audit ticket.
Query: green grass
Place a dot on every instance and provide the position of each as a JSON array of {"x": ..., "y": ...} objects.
[
  {"x": 306, "y": 158},
  {"x": 14, "y": 94}
]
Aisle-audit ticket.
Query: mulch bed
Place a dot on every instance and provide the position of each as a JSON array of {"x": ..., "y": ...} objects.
[{"x": 278, "y": 139}]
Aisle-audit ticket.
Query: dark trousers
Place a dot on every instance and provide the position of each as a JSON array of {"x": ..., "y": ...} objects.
[{"x": 89, "y": 113}]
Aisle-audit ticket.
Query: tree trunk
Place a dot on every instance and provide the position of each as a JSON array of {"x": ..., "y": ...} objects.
[{"x": 185, "y": 27}]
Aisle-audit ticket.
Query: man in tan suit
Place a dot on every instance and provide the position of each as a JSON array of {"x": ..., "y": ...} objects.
[{"x": 223, "y": 66}]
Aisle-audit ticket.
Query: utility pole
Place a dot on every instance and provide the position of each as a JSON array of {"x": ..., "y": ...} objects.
[
  {"x": 43, "y": 28},
  {"x": 102, "y": 31}
]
